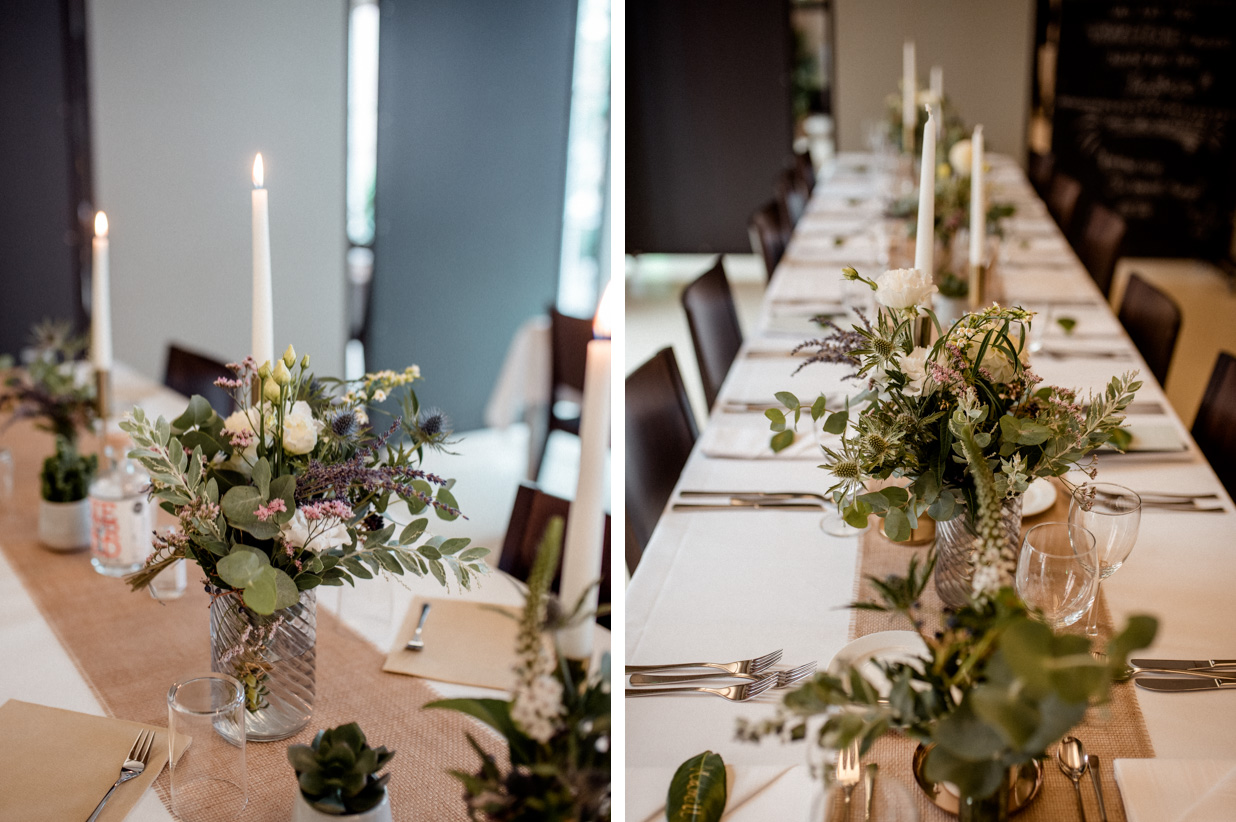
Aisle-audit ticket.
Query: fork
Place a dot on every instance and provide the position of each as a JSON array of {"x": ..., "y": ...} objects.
[
  {"x": 745, "y": 666},
  {"x": 417, "y": 642},
  {"x": 134, "y": 764},
  {"x": 770, "y": 495},
  {"x": 734, "y": 693},
  {"x": 784, "y": 678},
  {"x": 848, "y": 774}
]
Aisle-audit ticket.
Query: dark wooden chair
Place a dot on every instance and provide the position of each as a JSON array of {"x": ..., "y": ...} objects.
[
  {"x": 1039, "y": 168},
  {"x": 1099, "y": 241},
  {"x": 1214, "y": 428},
  {"x": 660, "y": 432},
  {"x": 569, "y": 338},
  {"x": 529, "y": 518},
  {"x": 1062, "y": 197},
  {"x": 189, "y": 373},
  {"x": 1153, "y": 321},
  {"x": 792, "y": 197},
  {"x": 713, "y": 320},
  {"x": 768, "y": 237},
  {"x": 805, "y": 169}
]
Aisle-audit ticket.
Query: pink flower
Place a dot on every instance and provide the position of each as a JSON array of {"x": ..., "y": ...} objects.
[{"x": 265, "y": 512}]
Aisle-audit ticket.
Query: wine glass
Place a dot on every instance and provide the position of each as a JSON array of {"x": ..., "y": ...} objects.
[
  {"x": 1058, "y": 572},
  {"x": 1113, "y": 514}
]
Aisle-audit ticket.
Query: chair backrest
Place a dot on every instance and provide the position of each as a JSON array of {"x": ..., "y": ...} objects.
[
  {"x": 189, "y": 373},
  {"x": 569, "y": 338},
  {"x": 529, "y": 518},
  {"x": 1039, "y": 168},
  {"x": 1153, "y": 321},
  {"x": 1101, "y": 237},
  {"x": 1214, "y": 428},
  {"x": 661, "y": 431},
  {"x": 1062, "y": 197},
  {"x": 714, "y": 327},
  {"x": 791, "y": 197},
  {"x": 805, "y": 168},
  {"x": 768, "y": 237}
]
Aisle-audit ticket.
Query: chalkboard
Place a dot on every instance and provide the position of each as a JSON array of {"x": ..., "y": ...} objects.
[{"x": 1145, "y": 118}]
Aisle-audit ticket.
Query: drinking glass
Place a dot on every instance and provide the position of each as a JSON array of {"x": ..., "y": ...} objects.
[
  {"x": 6, "y": 476},
  {"x": 1057, "y": 572},
  {"x": 832, "y": 522},
  {"x": 1113, "y": 514},
  {"x": 208, "y": 781}
]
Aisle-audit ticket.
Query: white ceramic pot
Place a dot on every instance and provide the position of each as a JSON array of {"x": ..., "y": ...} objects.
[
  {"x": 64, "y": 526},
  {"x": 304, "y": 812}
]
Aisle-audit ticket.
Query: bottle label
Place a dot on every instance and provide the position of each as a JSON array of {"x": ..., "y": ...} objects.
[{"x": 121, "y": 530}]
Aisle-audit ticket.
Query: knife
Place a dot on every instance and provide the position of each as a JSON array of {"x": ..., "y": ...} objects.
[
  {"x": 748, "y": 506},
  {"x": 1194, "y": 664},
  {"x": 1180, "y": 685}
]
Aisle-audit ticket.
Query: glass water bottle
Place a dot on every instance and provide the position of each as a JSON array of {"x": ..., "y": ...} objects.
[{"x": 121, "y": 518}]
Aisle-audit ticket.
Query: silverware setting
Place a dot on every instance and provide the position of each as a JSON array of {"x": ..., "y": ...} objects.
[
  {"x": 784, "y": 678},
  {"x": 1183, "y": 684},
  {"x": 869, "y": 780},
  {"x": 755, "y": 665},
  {"x": 1071, "y": 760},
  {"x": 737, "y": 504},
  {"x": 1058, "y": 354},
  {"x": 771, "y": 495},
  {"x": 1092, "y": 763},
  {"x": 134, "y": 765},
  {"x": 848, "y": 774},
  {"x": 734, "y": 693},
  {"x": 417, "y": 642}
]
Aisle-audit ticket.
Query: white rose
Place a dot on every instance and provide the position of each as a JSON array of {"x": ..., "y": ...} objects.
[
  {"x": 238, "y": 421},
  {"x": 904, "y": 288},
  {"x": 327, "y": 533},
  {"x": 961, "y": 158},
  {"x": 300, "y": 429},
  {"x": 914, "y": 366}
]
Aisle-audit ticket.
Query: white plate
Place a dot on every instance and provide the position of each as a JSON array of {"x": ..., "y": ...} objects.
[
  {"x": 1040, "y": 496},
  {"x": 886, "y": 646}
]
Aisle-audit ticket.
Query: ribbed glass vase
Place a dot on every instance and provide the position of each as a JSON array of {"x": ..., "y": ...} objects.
[
  {"x": 954, "y": 545},
  {"x": 274, "y": 657}
]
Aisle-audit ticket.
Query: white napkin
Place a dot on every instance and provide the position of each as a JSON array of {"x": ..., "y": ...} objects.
[
  {"x": 749, "y": 441},
  {"x": 1177, "y": 790}
]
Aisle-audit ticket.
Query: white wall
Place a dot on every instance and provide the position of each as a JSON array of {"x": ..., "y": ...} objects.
[
  {"x": 183, "y": 94},
  {"x": 984, "y": 47}
]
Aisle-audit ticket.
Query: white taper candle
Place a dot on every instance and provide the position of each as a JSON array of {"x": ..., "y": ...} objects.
[
  {"x": 925, "y": 236},
  {"x": 263, "y": 342},
  {"x": 909, "y": 94},
  {"x": 978, "y": 207},
  {"x": 100, "y": 298},
  {"x": 585, "y": 530}
]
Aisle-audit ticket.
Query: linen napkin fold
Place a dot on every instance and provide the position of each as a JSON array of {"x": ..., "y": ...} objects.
[
  {"x": 753, "y": 792},
  {"x": 467, "y": 642},
  {"x": 56, "y": 765},
  {"x": 750, "y": 441},
  {"x": 1177, "y": 790}
]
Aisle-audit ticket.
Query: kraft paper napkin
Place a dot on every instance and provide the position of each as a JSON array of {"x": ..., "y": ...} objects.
[
  {"x": 1177, "y": 790},
  {"x": 56, "y": 765},
  {"x": 467, "y": 642}
]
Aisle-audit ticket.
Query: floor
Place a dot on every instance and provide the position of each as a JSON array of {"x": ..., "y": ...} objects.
[{"x": 655, "y": 318}]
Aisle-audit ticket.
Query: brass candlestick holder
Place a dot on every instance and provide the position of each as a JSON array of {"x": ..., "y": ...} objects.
[
  {"x": 103, "y": 394},
  {"x": 978, "y": 285}
]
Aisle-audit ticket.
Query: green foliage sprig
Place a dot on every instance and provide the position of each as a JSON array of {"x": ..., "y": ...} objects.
[
  {"x": 337, "y": 772},
  {"x": 51, "y": 389}
]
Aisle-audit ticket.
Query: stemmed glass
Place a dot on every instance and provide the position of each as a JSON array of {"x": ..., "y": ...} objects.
[
  {"x": 1113, "y": 514},
  {"x": 832, "y": 523},
  {"x": 1057, "y": 572}
]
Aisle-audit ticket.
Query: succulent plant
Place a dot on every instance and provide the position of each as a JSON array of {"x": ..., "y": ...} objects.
[
  {"x": 67, "y": 474},
  {"x": 337, "y": 772}
]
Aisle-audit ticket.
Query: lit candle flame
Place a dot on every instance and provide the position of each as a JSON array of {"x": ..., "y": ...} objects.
[
  {"x": 259, "y": 173},
  {"x": 602, "y": 323},
  {"x": 100, "y": 225}
]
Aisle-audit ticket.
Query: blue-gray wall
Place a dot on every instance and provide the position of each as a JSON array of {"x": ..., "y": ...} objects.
[{"x": 474, "y": 100}]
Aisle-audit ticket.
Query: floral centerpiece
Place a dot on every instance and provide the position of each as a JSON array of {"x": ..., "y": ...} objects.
[
  {"x": 994, "y": 688},
  {"x": 290, "y": 492},
  {"x": 55, "y": 391},
  {"x": 904, "y": 432},
  {"x": 952, "y": 128},
  {"x": 557, "y": 724}
]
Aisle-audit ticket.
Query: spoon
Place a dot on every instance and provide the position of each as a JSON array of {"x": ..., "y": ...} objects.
[
  {"x": 1072, "y": 764},
  {"x": 1093, "y": 762}
]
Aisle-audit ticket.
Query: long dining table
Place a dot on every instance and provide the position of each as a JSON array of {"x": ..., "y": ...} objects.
[
  {"x": 87, "y": 664},
  {"x": 734, "y": 584}
]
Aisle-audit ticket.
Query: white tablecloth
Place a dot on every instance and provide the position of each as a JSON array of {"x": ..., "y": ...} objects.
[{"x": 727, "y": 586}]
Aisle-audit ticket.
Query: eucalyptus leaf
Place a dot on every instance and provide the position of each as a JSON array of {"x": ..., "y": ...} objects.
[
  {"x": 897, "y": 525},
  {"x": 262, "y": 595},
  {"x": 776, "y": 419},
  {"x": 242, "y": 566},
  {"x": 782, "y": 441},
  {"x": 261, "y": 477}
]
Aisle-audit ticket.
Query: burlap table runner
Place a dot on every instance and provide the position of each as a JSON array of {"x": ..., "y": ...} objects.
[
  {"x": 1114, "y": 730},
  {"x": 131, "y": 648}
]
